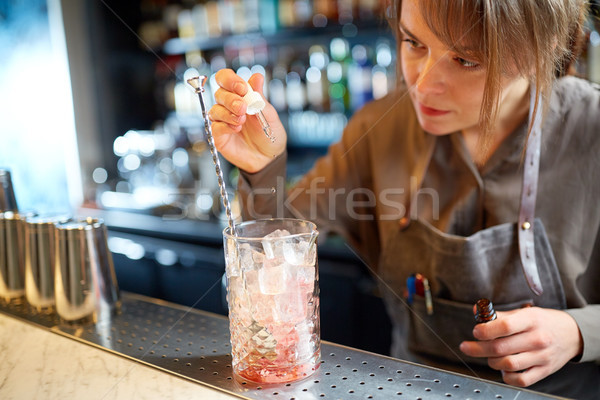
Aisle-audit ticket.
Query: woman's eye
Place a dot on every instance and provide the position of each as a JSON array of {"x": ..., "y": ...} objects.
[
  {"x": 466, "y": 63},
  {"x": 412, "y": 43}
]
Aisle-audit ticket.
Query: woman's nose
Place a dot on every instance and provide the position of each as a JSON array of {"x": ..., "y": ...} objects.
[{"x": 431, "y": 77}]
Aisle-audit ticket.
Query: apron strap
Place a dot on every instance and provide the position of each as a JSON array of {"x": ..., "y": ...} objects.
[
  {"x": 528, "y": 197},
  {"x": 416, "y": 182}
]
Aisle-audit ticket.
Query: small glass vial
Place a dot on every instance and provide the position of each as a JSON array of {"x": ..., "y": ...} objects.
[
  {"x": 485, "y": 311},
  {"x": 255, "y": 104}
]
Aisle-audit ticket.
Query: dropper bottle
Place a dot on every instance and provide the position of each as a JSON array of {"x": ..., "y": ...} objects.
[
  {"x": 484, "y": 311},
  {"x": 256, "y": 104}
]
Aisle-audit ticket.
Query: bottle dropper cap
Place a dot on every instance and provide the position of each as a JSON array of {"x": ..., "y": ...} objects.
[
  {"x": 254, "y": 101},
  {"x": 255, "y": 104}
]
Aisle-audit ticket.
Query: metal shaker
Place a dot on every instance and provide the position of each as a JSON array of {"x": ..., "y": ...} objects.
[
  {"x": 40, "y": 259},
  {"x": 8, "y": 201},
  {"x": 85, "y": 284},
  {"x": 12, "y": 256}
]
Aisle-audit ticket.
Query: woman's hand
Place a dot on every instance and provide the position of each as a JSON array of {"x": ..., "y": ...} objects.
[
  {"x": 527, "y": 344},
  {"x": 240, "y": 137}
]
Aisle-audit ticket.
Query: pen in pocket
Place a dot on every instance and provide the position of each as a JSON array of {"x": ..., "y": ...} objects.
[
  {"x": 418, "y": 284},
  {"x": 410, "y": 288}
]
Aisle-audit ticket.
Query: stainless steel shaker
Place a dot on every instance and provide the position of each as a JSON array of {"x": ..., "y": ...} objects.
[
  {"x": 40, "y": 259},
  {"x": 85, "y": 285},
  {"x": 8, "y": 201},
  {"x": 12, "y": 257}
]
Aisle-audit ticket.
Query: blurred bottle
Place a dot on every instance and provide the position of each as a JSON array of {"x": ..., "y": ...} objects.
[
  {"x": 316, "y": 79},
  {"x": 383, "y": 74},
  {"x": 277, "y": 90},
  {"x": 369, "y": 9},
  {"x": 244, "y": 16},
  {"x": 213, "y": 16},
  {"x": 261, "y": 52},
  {"x": 359, "y": 77},
  {"x": 170, "y": 17},
  {"x": 185, "y": 24},
  {"x": 337, "y": 74},
  {"x": 245, "y": 52},
  {"x": 324, "y": 11},
  {"x": 200, "y": 21},
  {"x": 227, "y": 16},
  {"x": 268, "y": 11},
  {"x": 251, "y": 13},
  {"x": 217, "y": 62},
  {"x": 303, "y": 11},
  {"x": 345, "y": 11},
  {"x": 287, "y": 16},
  {"x": 295, "y": 92},
  {"x": 152, "y": 33}
]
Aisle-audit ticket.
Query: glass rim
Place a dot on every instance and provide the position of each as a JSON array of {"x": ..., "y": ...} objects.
[
  {"x": 10, "y": 215},
  {"x": 48, "y": 219},
  {"x": 80, "y": 224},
  {"x": 313, "y": 229}
]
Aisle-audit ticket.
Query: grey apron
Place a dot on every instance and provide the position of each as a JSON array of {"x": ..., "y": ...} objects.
[{"x": 495, "y": 263}]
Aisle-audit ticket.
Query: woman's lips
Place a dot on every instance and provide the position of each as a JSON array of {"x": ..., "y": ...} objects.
[{"x": 432, "y": 112}]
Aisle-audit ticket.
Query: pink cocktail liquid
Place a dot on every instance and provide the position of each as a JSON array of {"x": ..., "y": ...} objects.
[{"x": 281, "y": 366}]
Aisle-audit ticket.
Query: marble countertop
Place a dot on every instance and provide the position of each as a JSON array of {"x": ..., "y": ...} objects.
[{"x": 39, "y": 364}]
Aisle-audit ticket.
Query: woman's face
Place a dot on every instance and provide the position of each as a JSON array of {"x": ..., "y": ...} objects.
[{"x": 446, "y": 89}]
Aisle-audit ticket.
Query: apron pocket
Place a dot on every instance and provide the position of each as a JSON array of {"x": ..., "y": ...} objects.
[{"x": 440, "y": 334}]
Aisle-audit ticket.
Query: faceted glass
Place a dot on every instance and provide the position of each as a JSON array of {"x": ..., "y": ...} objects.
[{"x": 273, "y": 296}]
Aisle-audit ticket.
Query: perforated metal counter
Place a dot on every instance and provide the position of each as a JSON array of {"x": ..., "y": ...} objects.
[{"x": 195, "y": 345}]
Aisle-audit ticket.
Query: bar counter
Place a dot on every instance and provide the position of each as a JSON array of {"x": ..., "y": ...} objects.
[{"x": 159, "y": 350}]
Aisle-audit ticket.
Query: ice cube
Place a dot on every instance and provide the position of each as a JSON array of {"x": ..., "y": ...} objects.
[
  {"x": 299, "y": 252},
  {"x": 305, "y": 275},
  {"x": 250, "y": 258},
  {"x": 305, "y": 347},
  {"x": 251, "y": 281},
  {"x": 294, "y": 252},
  {"x": 301, "y": 277},
  {"x": 278, "y": 233},
  {"x": 290, "y": 306},
  {"x": 258, "y": 257},
  {"x": 273, "y": 245},
  {"x": 272, "y": 279},
  {"x": 232, "y": 261}
]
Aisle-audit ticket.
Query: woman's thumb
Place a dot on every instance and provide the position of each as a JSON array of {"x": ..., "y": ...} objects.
[{"x": 257, "y": 81}]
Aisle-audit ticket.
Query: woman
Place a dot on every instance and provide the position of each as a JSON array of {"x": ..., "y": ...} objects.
[{"x": 481, "y": 175}]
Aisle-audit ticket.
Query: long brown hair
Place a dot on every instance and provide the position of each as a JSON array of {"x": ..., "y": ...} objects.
[{"x": 537, "y": 39}]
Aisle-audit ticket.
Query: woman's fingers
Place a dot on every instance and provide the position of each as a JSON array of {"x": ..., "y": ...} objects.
[
  {"x": 219, "y": 113},
  {"x": 527, "y": 344},
  {"x": 518, "y": 343},
  {"x": 223, "y": 128},
  {"x": 231, "y": 82},
  {"x": 527, "y": 377},
  {"x": 507, "y": 323},
  {"x": 230, "y": 101},
  {"x": 519, "y": 361},
  {"x": 257, "y": 81}
]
